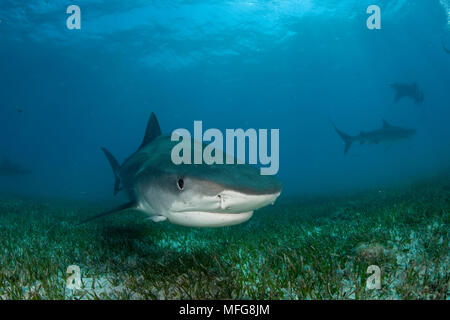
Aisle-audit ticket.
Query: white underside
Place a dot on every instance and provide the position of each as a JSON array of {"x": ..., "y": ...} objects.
[{"x": 208, "y": 219}]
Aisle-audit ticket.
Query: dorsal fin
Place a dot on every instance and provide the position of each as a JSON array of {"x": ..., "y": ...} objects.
[
  {"x": 152, "y": 132},
  {"x": 386, "y": 124}
]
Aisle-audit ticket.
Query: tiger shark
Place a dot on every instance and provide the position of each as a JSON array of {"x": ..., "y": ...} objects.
[
  {"x": 194, "y": 195},
  {"x": 447, "y": 50},
  {"x": 410, "y": 90},
  {"x": 9, "y": 168},
  {"x": 387, "y": 133}
]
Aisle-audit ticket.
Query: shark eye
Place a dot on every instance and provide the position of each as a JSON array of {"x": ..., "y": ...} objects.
[{"x": 180, "y": 184}]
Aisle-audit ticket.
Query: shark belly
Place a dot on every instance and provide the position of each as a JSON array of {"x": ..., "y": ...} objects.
[{"x": 208, "y": 219}]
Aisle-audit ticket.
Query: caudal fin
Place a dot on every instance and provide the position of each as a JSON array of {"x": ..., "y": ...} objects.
[
  {"x": 115, "y": 167},
  {"x": 346, "y": 138}
]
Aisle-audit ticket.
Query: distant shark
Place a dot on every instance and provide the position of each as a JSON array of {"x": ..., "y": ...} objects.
[
  {"x": 9, "y": 168},
  {"x": 411, "y": 90},
  {"x": 195, "y": 195},
  {"x": 18, "y": 109},
  {"x": 447, "y": 50},
  {"x": 388, "y": 133}
]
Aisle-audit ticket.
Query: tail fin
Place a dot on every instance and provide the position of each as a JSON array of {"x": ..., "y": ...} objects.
[
  {"x": 347, "y": 139},
  {"x": 115, "y": 167}
]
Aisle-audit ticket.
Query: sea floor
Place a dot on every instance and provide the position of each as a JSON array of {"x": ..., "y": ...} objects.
[{"x": 309, "y": 249}]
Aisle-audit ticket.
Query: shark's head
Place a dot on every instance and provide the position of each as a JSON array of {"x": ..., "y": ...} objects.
[{"x": 201, "y": 195}]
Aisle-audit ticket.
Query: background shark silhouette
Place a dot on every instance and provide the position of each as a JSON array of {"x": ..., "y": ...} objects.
[
  {"x": 444, "y": 47},
  {"x": 9, "y": 168},
  {"x": 411, "y": 90},
  {"x": 387, "y": 133}
]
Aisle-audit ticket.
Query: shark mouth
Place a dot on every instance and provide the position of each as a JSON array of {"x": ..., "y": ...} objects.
[
  {"x": 226, "y": 209},
  {"x": 236, "y": 202}
]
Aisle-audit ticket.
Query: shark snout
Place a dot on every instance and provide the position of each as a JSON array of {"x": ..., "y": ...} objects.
[{"x": 236, "y": 202}]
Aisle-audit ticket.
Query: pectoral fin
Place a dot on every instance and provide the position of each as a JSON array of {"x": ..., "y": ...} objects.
[
  {"x": 157, "y": 218},
  {"x": 126, "y": 206}
]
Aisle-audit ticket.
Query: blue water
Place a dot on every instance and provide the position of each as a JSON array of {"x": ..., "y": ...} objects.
[{"x": 292, "y": 65}]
